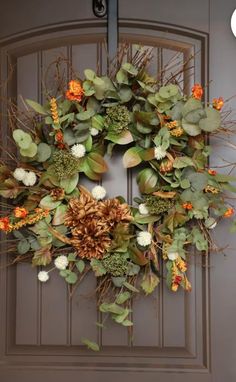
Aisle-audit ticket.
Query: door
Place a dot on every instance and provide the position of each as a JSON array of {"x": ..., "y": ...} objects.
[{"x": 176, "y": 337}]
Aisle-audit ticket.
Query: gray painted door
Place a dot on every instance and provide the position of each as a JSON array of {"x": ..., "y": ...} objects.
[{"x": 175, "y": 337}]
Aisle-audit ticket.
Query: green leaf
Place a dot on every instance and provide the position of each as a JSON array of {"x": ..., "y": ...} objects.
[
  {"x": 80, "y": 265},
  {"x": 42, "y": 256},
  {"x": 181, "y": 162},
  {"x": 122, "y": 77},
  {"x": 111, "y": 308},
  {"x": 224, "y": 178},
  {"x": 37, "y": 107},
  {"x": 127, "y": 323},
  {"x": 191, "y": 105},
  {"x": 90, "y": 344},
  {"x": 121, "y": 317},
  {"x": 123, "y": 138},
  {"x": 191, "y": 128},
  {"x": 125, "y": 93},
  {"x": 64, "y": 272},
  {"x": 185, "y": 183},
  {"x": 90, "y": 74},
  {"x": 43, "y": 152},
  {"x": 23, "y": 246},
  {"x": 96, "y": 162},
  {"x": 123, "y": 297},
  {"x": 59, "y": 215},
  {"x": 130, "y": 287},
  {"x": 72, "y": 256},
  {"x": 131, "y": 157},
  {"x": 22, "y": 139},
  {"x": 69, "y": 184},
  {"x": 142, "y": 219},
  {"x": 48, "y": 203},
  {"x": 168, "y": 91},
  {"x": 133, "y": 269},
  {"x": 98, "y": 122},
  {"x": 118, "y": 281},
  {"x": 212, "y": 121},
  {"x": 30, "y": 152},
  {"x": 97, "y": 267},
  {"x": 147, "y": 180},
  {"x": 146, "y": 118},
  {"x": 130, "y": 69},
  {"x": 137, "y": 256},
  {"x": 198, "y": 181},
  {"x": 84, "y": 115},
  {"x": 149, "y": 282},
  {"x": 71, "y": 278}
]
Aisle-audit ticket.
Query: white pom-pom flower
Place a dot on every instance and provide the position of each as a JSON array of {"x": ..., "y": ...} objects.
[
  {"x": 43, "y": 276},
  {"x": 98, "y": 192},
  {"x": 144, "y": 238},
  {"x": 78, "y": 150},
  {"x": 159, "y": 153},
  {"x": 143, "y": 209},
  {"x": 61, "y": 262},
  {"x": 94, "y": 132},
  {"x": 172, "y": 256},
  {"x": 19, "y": 173},
  {"x": 29, "y": 179}
]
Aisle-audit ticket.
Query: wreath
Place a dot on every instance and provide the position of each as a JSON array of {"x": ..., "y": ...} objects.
[{"x": 60, "y": 225}]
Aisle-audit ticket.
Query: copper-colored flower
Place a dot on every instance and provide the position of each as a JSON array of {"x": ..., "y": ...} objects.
[
  {"x": 92, "y": 223},
  {"x": 75, "y": 91},
  {"x": 113, "y": 212},
  {"x": 197, "y": 91},
  {"x": 20, "y": 212},
  {"x": 218, "y": 103},
  {"x": 91, "y": 239},
  {"x": 80, "y": 208}
]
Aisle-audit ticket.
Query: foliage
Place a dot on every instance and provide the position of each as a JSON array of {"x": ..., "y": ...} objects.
[{"x": 165, "y": 135}]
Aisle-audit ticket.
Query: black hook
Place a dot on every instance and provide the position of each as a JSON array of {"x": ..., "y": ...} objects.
[{"x": 100, "y": 8}]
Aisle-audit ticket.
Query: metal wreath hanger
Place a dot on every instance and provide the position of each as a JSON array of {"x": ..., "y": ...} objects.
[{"x": 109, "y": 8}]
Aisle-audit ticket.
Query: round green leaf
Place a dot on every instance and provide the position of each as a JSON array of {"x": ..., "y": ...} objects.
[
  {"x": 212, "y": 121},
  {"x": 30, "y": 152},
  {"x": 44, "y": 152},
  {"x": 23, "y": 139}
]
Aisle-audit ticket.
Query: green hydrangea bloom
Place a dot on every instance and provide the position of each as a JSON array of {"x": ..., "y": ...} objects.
[
  {"x": 117, "y": 118},
  {"x": 65, "y": 164},
  {"x": 116, "y": 264},
  {"x": 157, "y": 205}
]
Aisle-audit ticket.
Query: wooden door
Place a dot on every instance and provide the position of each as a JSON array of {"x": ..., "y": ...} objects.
[{"x": 175, "y": 337}]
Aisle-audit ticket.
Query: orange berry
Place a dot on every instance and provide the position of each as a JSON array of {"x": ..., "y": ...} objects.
[
  {"x": 229, "y": 212},
  {"x": 187, "y": 206},
  {"x": 212, "y": 172}
]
